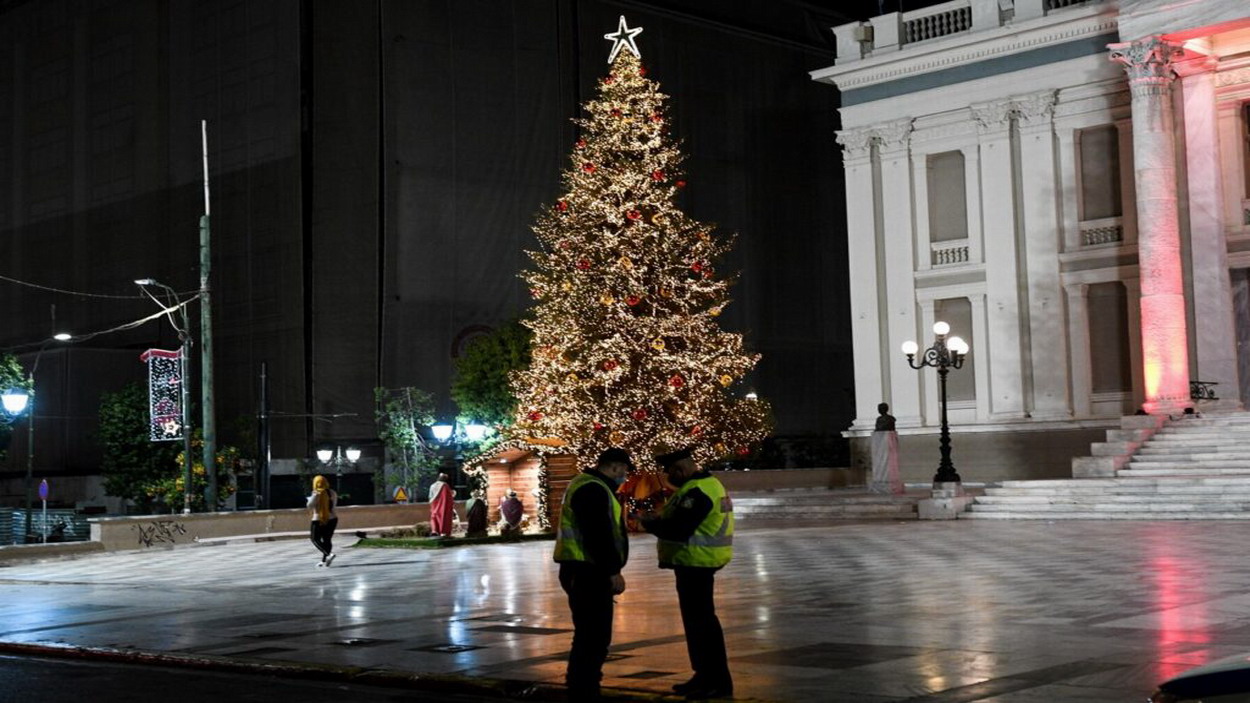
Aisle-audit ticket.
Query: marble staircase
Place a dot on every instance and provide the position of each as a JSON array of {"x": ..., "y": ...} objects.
[
  {"x": 824, "y": 504},
  {"x": 1191, "y": 468}
]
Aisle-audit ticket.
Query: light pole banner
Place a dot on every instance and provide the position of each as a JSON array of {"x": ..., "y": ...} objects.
[{"x": 164, "y": 394}]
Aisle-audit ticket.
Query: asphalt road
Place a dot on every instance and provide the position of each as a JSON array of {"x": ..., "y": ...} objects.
[{"x": 24, "y": 680}]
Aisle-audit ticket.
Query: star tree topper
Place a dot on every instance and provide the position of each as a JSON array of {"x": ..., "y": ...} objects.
[{"x": 623, "y": 37}]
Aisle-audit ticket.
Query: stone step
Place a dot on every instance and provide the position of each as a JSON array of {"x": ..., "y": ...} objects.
[
  {"x": 1088, "y": 515},
  {"x": 1161, "y": 453},
  {"x": 857, "y": 512},
  {"x": 1200, "y": 470},
  {"x": 1122, "y": 491},
  {"x": 1166, "y": 507},
  {"x": 1188, "y": 498}
]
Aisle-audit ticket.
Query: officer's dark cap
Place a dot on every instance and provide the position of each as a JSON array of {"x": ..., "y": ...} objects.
[
  {"x": 615, "y": 455},
  {"x": 667, "y": 460}
]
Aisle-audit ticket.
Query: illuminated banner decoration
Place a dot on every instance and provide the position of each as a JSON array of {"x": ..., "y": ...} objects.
[{"x": 164, "y": 394}]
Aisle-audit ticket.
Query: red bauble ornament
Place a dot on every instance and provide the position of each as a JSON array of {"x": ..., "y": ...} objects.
[
  {"x": 696, "y": 266},
  {"x": 707, "y": 272},
  {"x": 632, "y": 300},
  {"x": 609, "y": 365},
  {"x": 640, "y": 414},
  {"x": 564, "y": 244},
  {"x": 634, "y": 215},
  {"x": 581, "y": 143},
  {"x": 657, "y": 118},
  {"x": 680, "y": 184},
  {"x": 743, "y": 451},
  {"x": 598, "y": 426},
  {"x": 534, "y": 292},
  {"x": 615, "y": 112},
  {"x": 562, "y": 206},
  {"x": 588, "y": 167},
  {"x": 535, "y": 416},
  {"x": 642, "y": 70},
  {"x": 583, "y": 264},
  {"x": 676, "y": 381},
  {"x": 696, "y": 430},
  {"x": 657, "y": 175}
]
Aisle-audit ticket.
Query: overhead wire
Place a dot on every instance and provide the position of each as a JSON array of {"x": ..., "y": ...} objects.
[
  {"x": 119, "y": 328},
  {"x": 77, "y": 293}
]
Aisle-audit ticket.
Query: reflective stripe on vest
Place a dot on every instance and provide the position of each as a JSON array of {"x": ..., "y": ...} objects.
[
  {"x": 570, "y": 544},
  {"x": 711, "y": 545}
]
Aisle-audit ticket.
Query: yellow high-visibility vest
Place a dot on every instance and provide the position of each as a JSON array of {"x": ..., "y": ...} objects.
[
  {"x": 711, "y": 545},
  {"x": 570, "y": 544}
]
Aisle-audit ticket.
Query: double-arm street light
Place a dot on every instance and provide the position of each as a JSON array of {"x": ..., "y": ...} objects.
[
  {"x": 184, "y": 338},
  {"x": 337, "y": 460},
  {"x": 946, "y": 353}
]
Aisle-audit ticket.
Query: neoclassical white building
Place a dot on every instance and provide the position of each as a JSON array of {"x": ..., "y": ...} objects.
[{"x": 1068, "y": 185}]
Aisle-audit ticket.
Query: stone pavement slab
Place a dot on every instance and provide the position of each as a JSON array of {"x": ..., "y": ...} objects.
[{"x": 883, "y": 611}]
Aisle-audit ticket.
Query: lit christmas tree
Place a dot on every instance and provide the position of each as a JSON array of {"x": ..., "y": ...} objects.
[{"x": 627, "y": 351}]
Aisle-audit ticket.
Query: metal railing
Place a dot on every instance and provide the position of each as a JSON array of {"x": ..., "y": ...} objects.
[
  {"x": 63, "y": 525},
  {"x": 940, "y": 21},
  {"x": 950, "y": 252}
]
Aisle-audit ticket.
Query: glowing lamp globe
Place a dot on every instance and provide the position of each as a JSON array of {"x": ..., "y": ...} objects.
[
  {"x": 324, "y": 455},
  {"x": 15, "y": 401},
  {"x": 475, "y": 432},
  {"x": 352, "y": 454},
  {"x": 442, "y": 432},
  {"x": 910, "y": 348},
  {"x": 941, "y": 329},
  {"x": 62, "y": 336},
  {"x": 957, "y": 345}
]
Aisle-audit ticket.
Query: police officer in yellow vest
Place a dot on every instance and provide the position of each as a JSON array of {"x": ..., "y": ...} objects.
[
  {"x": 695, "y": 530},
  {"x": 592, "y": 548}
]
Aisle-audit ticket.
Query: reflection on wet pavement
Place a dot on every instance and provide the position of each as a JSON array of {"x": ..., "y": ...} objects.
[{"x": 922, "y": 612}]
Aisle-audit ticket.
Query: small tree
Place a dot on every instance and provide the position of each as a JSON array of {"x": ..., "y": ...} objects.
[
  {"x": 168, "y": 487},
  {"x": 400, "y": 414},
  {"x": 481, "y": 389},
  {"x": 12, "y": 377},
  {"x": 132, "y": 461}
]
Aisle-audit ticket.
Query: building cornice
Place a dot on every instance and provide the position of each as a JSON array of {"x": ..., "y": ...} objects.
[{"x": 969, "y": 48}]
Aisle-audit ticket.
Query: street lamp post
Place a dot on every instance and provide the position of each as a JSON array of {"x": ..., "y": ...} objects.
[
  {"x": 455, "y": 435},
  {"x": 337, "y": 459},
  {"x": 945, "y": 354},
  {"x": 17, "y": 401},
  {"x": 184, "y": 338}
]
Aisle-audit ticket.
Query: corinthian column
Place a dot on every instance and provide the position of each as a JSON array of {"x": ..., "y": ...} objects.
[
  {"x": 872, "y": 381},
  {"x": 898, "y": 243},
  {"x": 1165, "y": 341}
]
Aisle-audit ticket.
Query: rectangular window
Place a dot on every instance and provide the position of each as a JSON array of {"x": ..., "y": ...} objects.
[
  {"x": 1245, "y": 149},
  {"x": 957, "y": 312},
  {"x": 948, "y": 203},
  {"x": 1109, "y": 338},
  {"x": 1100, "y": 173}
]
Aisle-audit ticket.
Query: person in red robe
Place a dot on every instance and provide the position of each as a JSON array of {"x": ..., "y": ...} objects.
[{"x": 442, "y": 507}]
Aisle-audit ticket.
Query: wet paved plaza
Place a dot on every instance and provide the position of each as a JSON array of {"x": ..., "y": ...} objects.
[{"x": 1008, "y": 612}]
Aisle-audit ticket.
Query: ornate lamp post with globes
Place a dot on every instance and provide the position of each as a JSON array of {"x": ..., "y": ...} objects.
[{"x": 946, "y": 353}]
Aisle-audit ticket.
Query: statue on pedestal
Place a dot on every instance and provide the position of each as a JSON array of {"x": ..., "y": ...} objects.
[{"x": 885, "y": 477}]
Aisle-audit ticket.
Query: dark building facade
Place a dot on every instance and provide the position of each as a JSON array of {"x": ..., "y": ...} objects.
[{"x": 375, "y": 167}]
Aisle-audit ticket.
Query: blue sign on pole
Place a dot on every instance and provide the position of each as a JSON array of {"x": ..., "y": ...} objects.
[{"x": 43, "y": 489}]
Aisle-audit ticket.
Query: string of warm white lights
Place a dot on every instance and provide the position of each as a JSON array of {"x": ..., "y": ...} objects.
[{"x": 627, "y": 350}]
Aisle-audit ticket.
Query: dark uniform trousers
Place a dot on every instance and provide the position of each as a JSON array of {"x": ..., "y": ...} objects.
[
  {"x": 705, "y": 641},
  {"x": 590, "y": 600}
]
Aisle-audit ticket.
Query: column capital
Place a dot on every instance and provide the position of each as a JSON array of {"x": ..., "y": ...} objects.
[
  {"x": 1148, "y": 62},
  {"x": 856, "y": 143},
  {"x": 993, "y": 116},
  {"x": 1036, "y": 109},
  {"x": 894, "y": 135}
]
